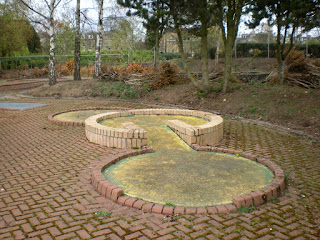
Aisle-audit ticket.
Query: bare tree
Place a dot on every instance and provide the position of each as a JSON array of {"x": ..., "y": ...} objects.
[
  {"x": 97, "y": 66},
  {"x": 76, "y": 74},
  {"x": 46, "y": 14}
]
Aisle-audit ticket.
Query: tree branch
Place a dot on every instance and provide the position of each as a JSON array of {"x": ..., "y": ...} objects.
[{"x": 32, "y": 9}]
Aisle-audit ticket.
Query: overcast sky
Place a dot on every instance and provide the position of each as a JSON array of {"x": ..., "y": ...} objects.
[{"x": 111, "y": 8}]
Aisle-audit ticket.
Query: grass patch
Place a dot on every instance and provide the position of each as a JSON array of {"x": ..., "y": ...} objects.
[
  {"x": 169, "y": 204},
  {"x": 103, "y": 214},
  {"x": 244, "y": 209}
]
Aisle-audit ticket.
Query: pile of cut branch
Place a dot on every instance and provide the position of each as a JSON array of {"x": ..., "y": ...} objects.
[{"x": 301, "y": 71}]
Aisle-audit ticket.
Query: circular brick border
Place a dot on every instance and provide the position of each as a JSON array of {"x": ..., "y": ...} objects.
[
  {"x": 254, "y": 198},
  {"x": 71, "y": 123}
]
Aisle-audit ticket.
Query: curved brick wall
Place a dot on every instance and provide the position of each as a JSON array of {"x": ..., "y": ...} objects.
[{"x": 131, "y": 136}]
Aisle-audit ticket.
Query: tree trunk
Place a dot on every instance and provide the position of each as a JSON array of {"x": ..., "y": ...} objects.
[
  {"x": 227, "y": 65},
  {"x": 216, "y": 58},
  {"x": 156, "y": 57},
  {"x": 280, "y": 69},
  {"x": 184, "y": 59},
  {"x": 280, "y": 64},
  {"x": 97, "y": 67},
  {"x": 204, "y": 56},
  {"x": 76, "y": 74},
  {"x": 52, "y": 60}
]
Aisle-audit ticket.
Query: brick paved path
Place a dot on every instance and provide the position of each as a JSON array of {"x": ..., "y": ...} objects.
[{"x": 45, "y": 190}]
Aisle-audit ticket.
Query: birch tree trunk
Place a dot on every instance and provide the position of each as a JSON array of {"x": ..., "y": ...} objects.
[
  {"x": 52, "y": 58},
  {"x": 97, "y": 67},
  {"x": 216, "y": 58},
  {"x": 76, "y": 73}
]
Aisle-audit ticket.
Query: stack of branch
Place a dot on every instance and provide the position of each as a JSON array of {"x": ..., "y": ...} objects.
[
  {"x": 216, "y": 74},
  {"x": 300, "y": 71}
]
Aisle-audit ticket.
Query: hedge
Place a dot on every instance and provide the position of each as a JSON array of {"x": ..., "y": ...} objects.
[{"x": 261, "y": 49}]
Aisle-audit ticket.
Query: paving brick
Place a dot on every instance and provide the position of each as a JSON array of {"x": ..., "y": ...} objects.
[
  {"x": 133, "y": 236},
  {"x": 83, "y": 234},
  {"x": 46, "y": 176}
]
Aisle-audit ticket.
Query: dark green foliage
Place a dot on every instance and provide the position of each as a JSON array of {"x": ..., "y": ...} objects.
[
  {"x": 313, "y": 49},
  {"x": 255, "y": 49},
  {"x": 15, "y": 31},
  {"x": 261, "y": 49},
  {"x": 34, "y": 44},
  {"x": 122, "y": 90},
  {"x": 168, "y": 56},
  {"x": 287, "y": 15}
]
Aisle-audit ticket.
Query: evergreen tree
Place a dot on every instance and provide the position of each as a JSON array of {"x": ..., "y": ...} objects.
[
  {"x": 287, "y": 16},
  {"x": 197, "y": 17},
  {"x": 34, "y": 44},
  {"x": 155, "y": 17}
]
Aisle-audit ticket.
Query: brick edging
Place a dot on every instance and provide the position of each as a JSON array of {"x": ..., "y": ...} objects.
[
  {"x": 254, "y": 198},
  {"x": 71, "y": 123}
]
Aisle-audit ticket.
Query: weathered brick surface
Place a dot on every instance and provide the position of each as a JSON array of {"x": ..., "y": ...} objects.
[{"x": 46, "y": 190}]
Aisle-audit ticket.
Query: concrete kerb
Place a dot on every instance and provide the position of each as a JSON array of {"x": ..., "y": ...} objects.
[{"x": 254, "y": 198}]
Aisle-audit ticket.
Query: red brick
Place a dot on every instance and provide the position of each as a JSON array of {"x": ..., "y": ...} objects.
[
  {"x": 138, "y": 204},
  {"x": 119, "y": 230},
  {"x": 121, "y": 200},
  {"x": 130, "y": 201},
  {"x": 230, "y": 151},
  {"x": 212, "y": 210},
  {"x": 231, "y": 208},
  {"x": 201, "y": 210},
  {"x": 54, "y": 231},
  {"x": 83, "y": 234},
  {"x": 191, "y": 210},
  {"x": 257, "y": 201},
  {"x": 168, "y": 210},
  {"x": 133, "y": 236},
  {"x": 147, "y": 206},
  {"x": 112, "y": 236},
  {"x": 248, "y": 200},
  {"x": 117, "y": 192},
  {"x": 268, "y": 192},
  {"x": 238, "y": 202},
  {"x": 26, "y": 228},
  {"x": 214, "y": 149},
  {"x": 109, "y": 190},
  {"x": 179, "y": 210},
  {"x": 222, "y": 209},
  {"x": 157, "y": 208}
]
